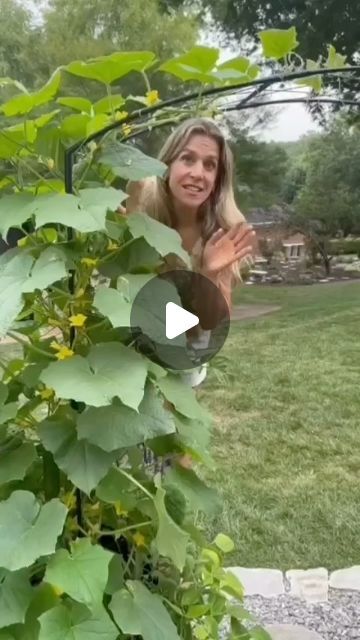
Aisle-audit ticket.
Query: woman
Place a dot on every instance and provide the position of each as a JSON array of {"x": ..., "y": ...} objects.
[{"x": 196, "y": 198}]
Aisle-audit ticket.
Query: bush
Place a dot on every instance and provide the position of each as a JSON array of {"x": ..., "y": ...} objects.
[{"x": 344, "y": 247}]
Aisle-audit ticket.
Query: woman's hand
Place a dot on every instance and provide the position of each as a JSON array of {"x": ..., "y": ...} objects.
[{"x": 226, "y": 247}]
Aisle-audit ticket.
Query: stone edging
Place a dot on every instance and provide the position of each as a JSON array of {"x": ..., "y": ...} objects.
[{"x": 310, "y": 584}]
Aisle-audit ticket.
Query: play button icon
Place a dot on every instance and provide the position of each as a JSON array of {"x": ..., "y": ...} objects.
[{"x": 178, "y": 320}]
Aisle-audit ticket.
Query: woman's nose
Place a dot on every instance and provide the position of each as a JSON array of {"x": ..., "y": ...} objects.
[{"x": 197, "y": 169}]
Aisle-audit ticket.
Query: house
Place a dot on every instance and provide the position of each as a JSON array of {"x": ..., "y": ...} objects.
[{"x": 274, "y": 234}]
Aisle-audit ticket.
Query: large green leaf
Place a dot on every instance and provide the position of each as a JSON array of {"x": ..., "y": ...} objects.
[
  {"x": 27, "y": 529},
  {"x": 118, "y": 426},
  {"x": 139, "y": 612},
  {"x": 86, "y": 213},
  {"x": 110, "y": 370},
  {"x": 199, "y": 496},
  {"x": 14, "y": 211},
  {"x": 129, "y": 163},
  {"x": 112, "y": 304},
  {"x": 163, "y": 239},
  {"x": 76, "y": 622},
  {"x": 25, "y": 102},
  {"x": 109, "y": 103},
  {"x": 135, "y": 256},
  {"x": 278, "y": 43},
  {"x": 82, "y": 573},
  {"x": 114, "y": 486},
  {"x": 7, "y": 411},
  {"x": 78, "y": 104},
  {"x": 48, "y": 268},
  {"x": 171, "y": 540},
  {"x": 15, "y": 462},
  {"x": 22, "y": 274},
  {"x": 106, "y": 69},
  {"x": 15, "y": 597},
  {"x": 44, "y": 598},
  {"x": 84, "y": 464},
  {"x": 182, "y": 397},
  {"x": 116, "y": 305},
  {"x": 196, "y": 64}
]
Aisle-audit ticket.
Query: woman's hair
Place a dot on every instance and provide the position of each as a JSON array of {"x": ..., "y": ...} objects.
[{"x": 220, "y": 210}]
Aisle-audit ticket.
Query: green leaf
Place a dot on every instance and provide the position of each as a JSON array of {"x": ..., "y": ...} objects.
[
  {"x": 44, "y": 598},
  {"x": 171, "y": 540},
  {"x": 137, "y": 611},
  {"x": 86, "y": 213},
  {"x": 116, "y": 575},
  {"x": 335, "y": 60},
  {"x": 7, "y": 411},
  {"x": 278, "y": 43},
  {"x": 116, "y": 304},
  {"x": 257, "y": 633},
  {"x": 84, "y": 464},
  {"x": 28, "y": 530},
  {"x": 76, "y": 622},
  {"x": 97, "y": 123},
  {"x": 48, "y": 268},
  {"x": 78, "y": 104},
  {"x": 82, "y": 573},
  {"x": 112, "y": 304},
  {"x": 163, "y": 239},
  {"x": 15, "y": 597},
  {"x": 109, "y": 103},
  {"x": 110, "y": 370},
  {"x": 230, "y": 584},
  {"x": 25, "y": 102},
  {"x": 114, "y": 486},
  {"x": 315, "y": 82},
  {"x": 22, "y": 274},
  {"x": 224, "y": 543},
  {"x": 199, "y": 496},
  {"x": 74, "y": 127},
  {"x": 14, "y": 210},
  {"x": 118, "y": 426},
  {"x": 15, "y": 463},
  {"x": 196, "y": 64},
  {"x": 137, "y": 255},
  {"x": 182, "y": 397},
  {"x": 106, "y": 69},
  {"x": 130, "y": 163}
]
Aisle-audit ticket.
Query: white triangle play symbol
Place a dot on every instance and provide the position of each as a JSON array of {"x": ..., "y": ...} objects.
[{"x": 178, "y": 320}]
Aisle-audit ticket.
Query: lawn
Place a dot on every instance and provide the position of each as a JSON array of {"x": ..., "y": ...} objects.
[{"x": 286, "y": 442}]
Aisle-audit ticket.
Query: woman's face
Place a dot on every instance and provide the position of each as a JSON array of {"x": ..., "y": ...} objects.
[{"x": 193, "y": 173}]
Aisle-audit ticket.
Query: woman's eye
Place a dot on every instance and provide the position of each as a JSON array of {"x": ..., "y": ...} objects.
[
  {"x": 188, "y": 159},
  {"x": 210, "y": 165}
]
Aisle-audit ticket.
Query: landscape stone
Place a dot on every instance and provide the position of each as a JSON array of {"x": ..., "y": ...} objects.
[
  {"x": 291, "y": 632},
  {"x": 263, "y": 582},
  {"x": 310, "y": 584},
  {"x": 346, "y": 578}
]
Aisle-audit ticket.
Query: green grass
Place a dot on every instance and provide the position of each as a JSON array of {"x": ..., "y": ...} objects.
[{"x": 286, "y": 443}]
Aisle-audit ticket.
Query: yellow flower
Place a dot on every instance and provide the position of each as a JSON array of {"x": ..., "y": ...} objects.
[
  {"x": 69, "y": 500},
  {"x": 64, "y": 352},
  {"x": 121, "y": 115},
  {"x": 50, "y": 164},
  {"x": 47, "y": 393},
  {"x": 126, "y": 129},
  {"x": 120, "y": 511},
  {"x": 89, "y": 262},
  {"x": 152, "y": 97},
  {"x": 112, "y": 246},
  {"x": 139, "y": 539},
  {"x": 78, "y": 320}
]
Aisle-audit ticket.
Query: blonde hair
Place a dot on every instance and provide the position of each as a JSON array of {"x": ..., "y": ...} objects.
[{"x": 220, "y": 210}]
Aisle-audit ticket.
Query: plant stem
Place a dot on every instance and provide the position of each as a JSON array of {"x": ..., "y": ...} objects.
[
  {"x": 31, "y": 346},
  {"x": 138, "y": 484},
  {"x": 119, "y": 532}
]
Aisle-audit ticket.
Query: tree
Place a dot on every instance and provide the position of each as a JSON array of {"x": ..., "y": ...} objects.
[
  {"x": 15, "y": 41},
  {"x": 324, "y": 187}
]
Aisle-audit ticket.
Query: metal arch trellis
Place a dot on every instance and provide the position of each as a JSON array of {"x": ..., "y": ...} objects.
[{"x": 255, "y": 88}]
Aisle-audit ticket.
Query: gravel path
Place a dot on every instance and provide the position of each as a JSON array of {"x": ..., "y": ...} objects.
[{"x": 337, "y": 619}]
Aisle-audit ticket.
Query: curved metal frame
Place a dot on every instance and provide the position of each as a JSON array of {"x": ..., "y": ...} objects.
[{"x": 261, "y": 85}]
